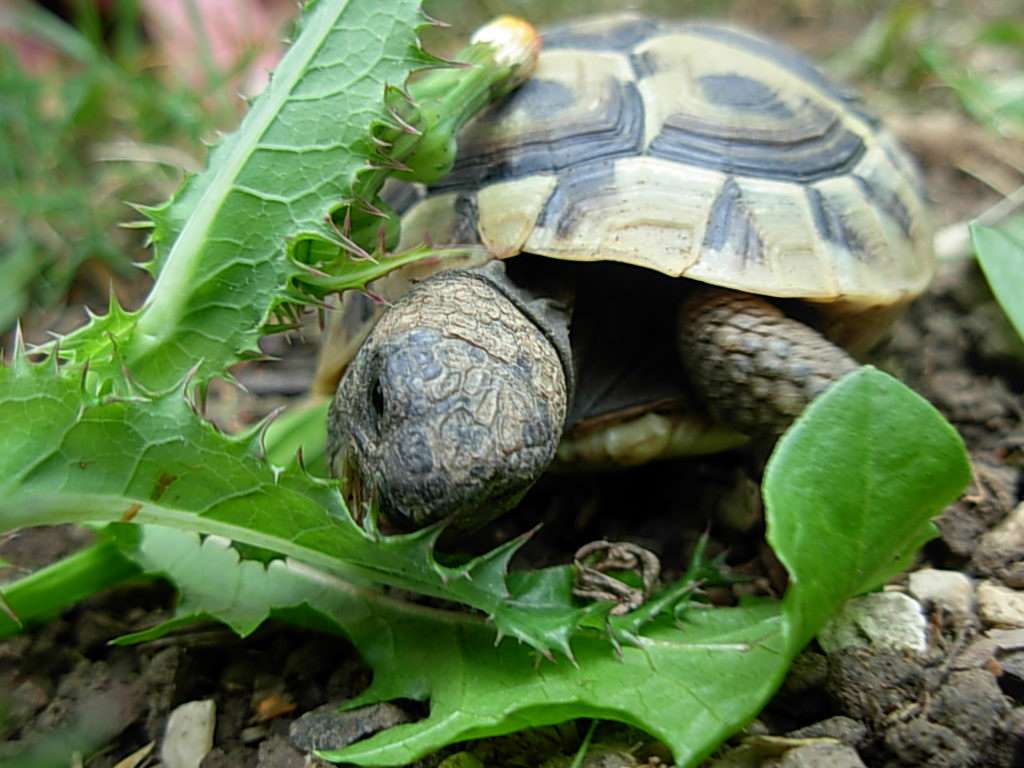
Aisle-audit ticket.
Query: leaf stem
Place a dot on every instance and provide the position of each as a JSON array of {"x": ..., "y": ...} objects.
[
  {"x": 581, "y": 753},
  {"x": 48, "y": 591}
]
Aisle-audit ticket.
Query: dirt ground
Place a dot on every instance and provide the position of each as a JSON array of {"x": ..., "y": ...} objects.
[{"x": 65, "y": 690}]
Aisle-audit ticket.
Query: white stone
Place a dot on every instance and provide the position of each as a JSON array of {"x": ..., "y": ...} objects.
[
  {"x": 881, "y": 621},
  {"x": 822, "y": 756},
  {"x": 189, "y": 734},
  {"x": 1011, "y": 530},
  {"x": 1000, "y": 606},
  {"x": 950, "y": 590},
  {"x": 1008, "y": 536}
]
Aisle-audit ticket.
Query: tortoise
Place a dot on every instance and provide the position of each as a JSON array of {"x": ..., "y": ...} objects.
[{"x": 706, "y": 231}]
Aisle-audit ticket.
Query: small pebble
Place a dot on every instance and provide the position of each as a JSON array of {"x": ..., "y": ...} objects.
[
  {"x": 881, "y": 621},
  {"x": 1012, "y": 744},
  {"x": 1000, "y": 552},
  {"x": 983, "y": 650},
  {"x": 950, "y": 590},
  {"x": 189, "y": 734},
  {"x": 1007, "y": 639},
  {"x": 327, "y": 728},
  {"x": 980, "y": 653},
  {"x": 920, "y": 742},
  {"x": 276, "y": 752},
  {"x": 1009, "y": 532},
  {"x": 851, "y": 732},
  {"x": 1011, "y": 681},
  {"x": 253, "y": 734},
  {"x": 1000, "y": 606},
  {"x": 971, "y": 705},
  {"x": 822, "y": 756}
]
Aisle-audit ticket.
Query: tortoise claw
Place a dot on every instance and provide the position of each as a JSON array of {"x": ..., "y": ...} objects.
[{"x": 592, "y": 562}]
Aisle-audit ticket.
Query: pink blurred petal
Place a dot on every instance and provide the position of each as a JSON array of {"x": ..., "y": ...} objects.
[
  {"x": 35, "y": 57},
  {"x": 233, "y": 30}
]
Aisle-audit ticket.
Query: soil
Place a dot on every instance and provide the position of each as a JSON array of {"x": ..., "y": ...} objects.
[{"x": 65, "y": 691}]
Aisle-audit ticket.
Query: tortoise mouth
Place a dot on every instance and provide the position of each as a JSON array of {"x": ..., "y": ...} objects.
[
  {"x": 368, "y": 506},
  {"x": 360, "y": 497}
]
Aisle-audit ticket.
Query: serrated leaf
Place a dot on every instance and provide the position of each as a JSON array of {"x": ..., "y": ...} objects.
[
  {"x": 299, "y": 179},
  {"x": 713, "y": 670},
  {"x": 222, "y": 242},
  {"x": 1001, "y": 254},
  {"x": 70, "y": 456}
]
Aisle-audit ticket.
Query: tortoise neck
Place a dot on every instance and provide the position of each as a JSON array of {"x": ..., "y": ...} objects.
[{"x": 545, "y": 296}]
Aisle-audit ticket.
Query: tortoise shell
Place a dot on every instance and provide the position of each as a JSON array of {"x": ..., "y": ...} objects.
[
  {"x": 694, "y": 150},
  {"x": 691, "y": 149}
]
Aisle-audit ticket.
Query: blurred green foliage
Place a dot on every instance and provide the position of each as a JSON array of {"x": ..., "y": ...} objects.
[
  {"x": 975, "y": 53},
  {"x": 1000, "y": 251},
  {"x": 86, "y": 124}
]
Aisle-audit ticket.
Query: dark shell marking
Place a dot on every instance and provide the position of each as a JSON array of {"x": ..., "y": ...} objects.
[
  {"x": 621, "y": 36},
  {"x": 576, "y": 186},
  {"x": 801, "y": 142},
  {"x": 614, "y": 129},
  {"x": 829, "y": 222},
  {"x": 731, "y": 221},
  {"x": 743, "y": 93},
  {"x": 779, "y": 55},
  {"x": 814, "y": 145},
  {"x": 884, "y": 199},
  {"x": 625, "y": 110}
]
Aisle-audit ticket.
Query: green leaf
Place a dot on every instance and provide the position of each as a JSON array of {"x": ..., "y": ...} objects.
[
  {"x": 300, "y": 429},
  {"x": 71, "y": 456},
  {"x": 850, "y": 491},
  {"x": 690, "y": 685},
  {"x": 1001, "y": 254},
  {"x": 222, "y": 241},
  {"x": 294, "y": 158},
  {"x": 287, "y": 210},
  {"x": 43, "y": 594}
]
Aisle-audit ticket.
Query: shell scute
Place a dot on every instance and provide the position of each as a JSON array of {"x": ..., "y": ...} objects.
[{"x": 604, "y": 119}]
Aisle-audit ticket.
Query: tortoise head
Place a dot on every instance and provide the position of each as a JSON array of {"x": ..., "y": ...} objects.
[{"x": 452, "y": 408}]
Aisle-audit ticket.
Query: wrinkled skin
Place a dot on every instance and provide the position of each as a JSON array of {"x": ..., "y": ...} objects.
[
  {"x": 452, "y": 408},
  {"x": 755, "y": 368}
]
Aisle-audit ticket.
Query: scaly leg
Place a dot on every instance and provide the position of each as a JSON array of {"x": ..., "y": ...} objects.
[{"x": 756, "y": 368}]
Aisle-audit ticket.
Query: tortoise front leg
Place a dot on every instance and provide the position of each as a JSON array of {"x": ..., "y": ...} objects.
[{"x": 756, "y": 368}]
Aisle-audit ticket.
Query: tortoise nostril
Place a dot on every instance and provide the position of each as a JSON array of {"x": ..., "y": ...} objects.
[{"x": 377, "y": 398}]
